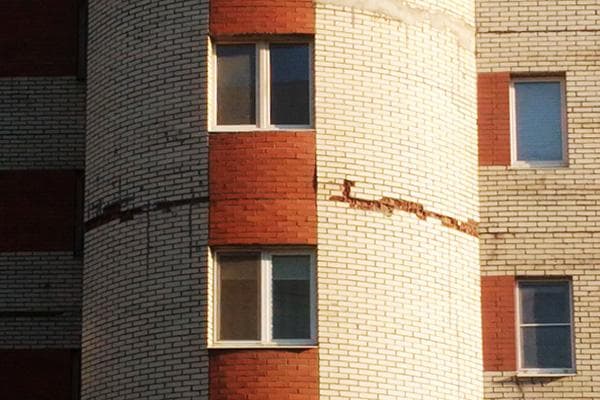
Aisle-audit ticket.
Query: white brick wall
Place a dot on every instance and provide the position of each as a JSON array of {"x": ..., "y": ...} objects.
[
  {"x": 144, "y": 313},
  {"x": 399, "y": 310},
  {"x": 546, "y": 222}
]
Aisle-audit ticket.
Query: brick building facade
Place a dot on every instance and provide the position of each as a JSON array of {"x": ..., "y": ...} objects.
[{"x": 298, "y": 199}]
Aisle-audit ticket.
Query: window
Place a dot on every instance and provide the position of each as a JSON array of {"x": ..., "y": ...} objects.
[
  {"x": 538, "y": 121},
  {"x": 265, "y": 298},
  {"x": 545, "y": 326},
  {"x": 264, "y": 85}
]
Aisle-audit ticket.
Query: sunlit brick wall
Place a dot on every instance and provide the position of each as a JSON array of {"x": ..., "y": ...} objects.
[
  {"x": 399, "y": 287},
  {"x": 546, "y": 221}
]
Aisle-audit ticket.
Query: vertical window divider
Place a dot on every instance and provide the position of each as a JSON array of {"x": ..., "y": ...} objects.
[
  {"x": 263, "y": 92},
  {"x": 266, "y": 297}
]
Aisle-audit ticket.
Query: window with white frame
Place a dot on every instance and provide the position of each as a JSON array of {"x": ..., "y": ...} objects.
[
  {"x": 545, "y": 326},
  {"x": 262, "y": 85},
  {"x": 538, "y": 121},
  {"x": 265, "y": 298}
]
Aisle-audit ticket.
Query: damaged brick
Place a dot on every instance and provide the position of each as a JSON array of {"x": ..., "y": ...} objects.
[{"x": 387, "y": 206}]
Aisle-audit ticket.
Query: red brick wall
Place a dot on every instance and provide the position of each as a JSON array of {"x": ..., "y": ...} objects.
[
  {"x": 264, "y": 374},
  {"x": 262, "y": 188},
  {"x": 237, "y": 17},
  {"x": 498, "y": 310},
  {"x": 38, "y": 37},
  {"x": 493, "y": 118},
  {"x": 38, "y": 210},
  {"x": 36, "y": 374}
]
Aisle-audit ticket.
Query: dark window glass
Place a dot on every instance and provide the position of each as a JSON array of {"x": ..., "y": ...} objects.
[
  {"x": 545, "y": 302},
  {"x": 546, "y": 347},
  {"x": 236, "y": 84},
  {"x": 290, "y": 85},
  {"x": 291, "y": 297},
  {"x": 539, "y": 121},
  {"x": 239, "y": 297}
]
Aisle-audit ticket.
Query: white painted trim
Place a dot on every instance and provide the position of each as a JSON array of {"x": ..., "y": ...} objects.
[
  {"x": 540, "y": 372},
  {"x": 266, "y": 318},
  {"x": 515, "y": 163},
  {"x": 262, "y": 89}
]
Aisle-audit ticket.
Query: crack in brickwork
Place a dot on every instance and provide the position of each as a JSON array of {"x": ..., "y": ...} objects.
[
  {"x": 114, "y": 211},
  {"x": 387, "y": 205}
]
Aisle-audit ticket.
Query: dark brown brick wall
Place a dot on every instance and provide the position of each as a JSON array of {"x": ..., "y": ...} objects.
[{"x": 38, "y": 37}]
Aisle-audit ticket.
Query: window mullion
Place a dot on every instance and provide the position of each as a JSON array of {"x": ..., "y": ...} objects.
[
  {"x": 267, "y": 301},
  {"x": 263, "y": 88}
]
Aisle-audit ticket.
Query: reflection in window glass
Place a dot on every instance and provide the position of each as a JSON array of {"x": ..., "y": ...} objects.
[
  {"x": 546, "y": 347},
  {"x": 539, "y": 121},
  {"x": 291, "y": 297},
  {"x": 290, "y": 85},
  {"x": 544, "y": 302},
  {"x": 236, "y": 84},
  {"x": 239, "y": 297},
  {"x": 545, "y": 324}
]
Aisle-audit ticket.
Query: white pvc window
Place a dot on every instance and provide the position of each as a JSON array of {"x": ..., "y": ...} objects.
[
  {"x": 262, "y": 85},
  {"x": 265, "y": 298},
  {"x": 538, "y": 122},
  {"x": 545, "y": 324}
]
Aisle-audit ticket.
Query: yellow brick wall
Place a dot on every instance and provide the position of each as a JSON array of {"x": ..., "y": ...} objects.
[
  {"x": 546, "y": 222},
  {"x": 399, "y": 311}
]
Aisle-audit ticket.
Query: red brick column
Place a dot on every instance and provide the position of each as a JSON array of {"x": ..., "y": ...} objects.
[
  {"x": 498, "y": 313},
  {"x": 238, "y": 17},
  {"x": 262, "y": 188},
  {"x": 264, "y": 374},
  {"x": 493, "y": 118}
]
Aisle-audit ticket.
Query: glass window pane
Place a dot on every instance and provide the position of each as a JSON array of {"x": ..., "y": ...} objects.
[
  {"x": 236, "y": 84},
  {"x": 290, "y": 89},
  {"x": 239, "y": 312},
  {"x": 291, "y": 297},
  {"x": 546, "y": 347},
  {"x": 544, "y": 302},
  {"x": 539, "y": 126}
]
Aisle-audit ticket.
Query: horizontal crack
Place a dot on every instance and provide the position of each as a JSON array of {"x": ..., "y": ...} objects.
[
  {"x": 113, "y": 211},
  {"x": 387, "y": 206}
]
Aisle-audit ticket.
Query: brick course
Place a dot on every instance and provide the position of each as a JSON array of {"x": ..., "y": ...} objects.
[
  {"x": 264, "y": 374},
  {"x": 262, "y": 188},
  {"x": 238, "y": 17}
]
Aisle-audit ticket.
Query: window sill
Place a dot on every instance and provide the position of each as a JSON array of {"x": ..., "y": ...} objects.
[
  {"x": 269, "y": 346},
  {"x": 526, "y": 375},
  {"x": 542, "y": 165},
  {"x": 274, "y": 129}
]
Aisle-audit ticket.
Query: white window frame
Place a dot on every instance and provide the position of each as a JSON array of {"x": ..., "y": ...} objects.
[
  {"x": 262, "y": 89},
  {"x": 513, "y": 123},
  {"x": 543, "y": 371},
  {"x": 266, "y": 306}
]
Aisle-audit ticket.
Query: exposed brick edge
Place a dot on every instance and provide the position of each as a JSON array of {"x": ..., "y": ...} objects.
[
  {"x": 387, "y": 206},
  {"x": 114, "y": 211}
]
